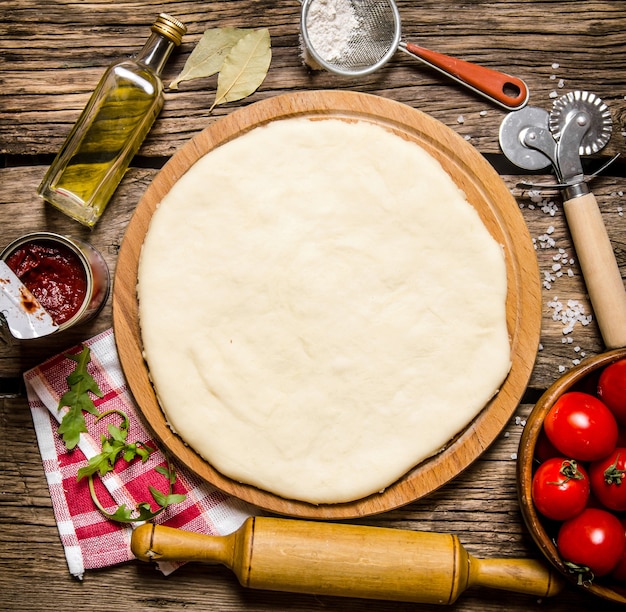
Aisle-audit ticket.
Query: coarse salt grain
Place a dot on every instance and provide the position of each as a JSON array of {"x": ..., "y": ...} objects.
[{"x": 570, "y": 315}]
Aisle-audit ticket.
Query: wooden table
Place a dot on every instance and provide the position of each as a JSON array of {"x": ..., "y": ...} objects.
[{"x": 53, "y": 53}]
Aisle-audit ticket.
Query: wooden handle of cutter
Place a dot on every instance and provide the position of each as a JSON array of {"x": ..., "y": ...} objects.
[
  {"x": 599, "y": 267},
  {"x": 346, "y": 560}
]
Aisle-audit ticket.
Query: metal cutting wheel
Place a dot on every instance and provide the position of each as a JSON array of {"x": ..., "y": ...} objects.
[
  {"x": 578, "y": 124},
  {"x": 533, "y": 139},
  {"x": 568, "y": 107}
]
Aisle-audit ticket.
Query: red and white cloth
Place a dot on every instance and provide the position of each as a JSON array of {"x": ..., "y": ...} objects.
[{"x": 89, "y": 539}]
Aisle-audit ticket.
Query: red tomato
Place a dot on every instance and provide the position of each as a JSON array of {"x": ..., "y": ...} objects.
[
  {"x": 594, "y": 539},
  {"x": 544, "y": 449},
  {"x": 621, "y": 436},
  {"x": 612, "y": 389},
  {"x": 619, "y": 571},
  {"x": 581, "y": 427},
  {"x": 608, "y": 480},
  {"x": 560, "y": 488}
]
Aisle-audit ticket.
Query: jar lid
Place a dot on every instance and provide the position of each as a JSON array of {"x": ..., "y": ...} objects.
[{"x": 170, "y": 27}]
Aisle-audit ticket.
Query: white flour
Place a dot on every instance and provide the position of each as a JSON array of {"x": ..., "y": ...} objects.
[{"x": 331, "y": 24}]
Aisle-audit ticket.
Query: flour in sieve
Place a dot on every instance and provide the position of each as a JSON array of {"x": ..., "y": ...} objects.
[{"x": 330, "y": 25}]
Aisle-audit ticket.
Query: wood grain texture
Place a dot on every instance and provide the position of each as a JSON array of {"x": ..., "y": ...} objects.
[
  {"x": 318, "y": 557},
  {"x": 52, "y": 53},
  {"x": 522, "y": 38}
]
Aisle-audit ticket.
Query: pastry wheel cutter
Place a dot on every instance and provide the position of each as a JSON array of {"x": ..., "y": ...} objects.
[{"x": 578, "y": 124}]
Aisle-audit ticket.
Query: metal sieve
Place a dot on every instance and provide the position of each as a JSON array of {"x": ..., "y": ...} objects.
[{"x": 366, "y": 34}]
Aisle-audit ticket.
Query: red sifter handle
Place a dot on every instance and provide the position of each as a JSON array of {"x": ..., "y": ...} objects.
[{"x": 507, "y": 91}]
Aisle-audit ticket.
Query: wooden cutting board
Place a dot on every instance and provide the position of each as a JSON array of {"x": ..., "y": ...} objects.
[{"x": 484, "y": 190}]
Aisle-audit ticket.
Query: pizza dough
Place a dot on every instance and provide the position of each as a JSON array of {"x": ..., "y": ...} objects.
[{"x": 320, "y": 308}]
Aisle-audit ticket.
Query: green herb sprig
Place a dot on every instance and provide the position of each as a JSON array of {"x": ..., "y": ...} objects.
[
  {"x": 77, "y": 399},
  {"x": 113, "y": 446}
]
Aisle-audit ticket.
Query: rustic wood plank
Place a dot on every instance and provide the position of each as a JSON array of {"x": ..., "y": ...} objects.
[
  {"x": 52, "y": 55},
  {"x": 516, "y": 38}
]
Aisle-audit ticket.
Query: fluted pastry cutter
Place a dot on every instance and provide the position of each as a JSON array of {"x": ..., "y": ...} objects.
[{"x": 578, "y": 124}]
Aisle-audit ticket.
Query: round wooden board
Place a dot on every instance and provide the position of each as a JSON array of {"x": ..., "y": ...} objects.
[{"x": 484, "y": 190}]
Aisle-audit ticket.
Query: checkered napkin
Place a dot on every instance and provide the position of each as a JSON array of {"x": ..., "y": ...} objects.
[{"x": 89, "y": 539}]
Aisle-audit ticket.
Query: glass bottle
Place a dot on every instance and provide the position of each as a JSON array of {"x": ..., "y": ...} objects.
[{"x": 111, "y": 128}]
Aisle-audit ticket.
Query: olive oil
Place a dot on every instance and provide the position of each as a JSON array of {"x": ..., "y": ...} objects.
[{"x": 111, "y": 128}]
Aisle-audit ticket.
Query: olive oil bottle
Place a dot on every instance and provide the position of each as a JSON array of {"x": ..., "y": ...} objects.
[{"x": 111, "y": 128}]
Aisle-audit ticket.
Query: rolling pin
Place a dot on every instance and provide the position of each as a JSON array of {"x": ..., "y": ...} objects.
[{"x": 346, "y": 560}]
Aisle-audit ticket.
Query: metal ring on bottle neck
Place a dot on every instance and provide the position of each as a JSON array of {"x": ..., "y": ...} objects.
[{"x": 170, "y": 27}]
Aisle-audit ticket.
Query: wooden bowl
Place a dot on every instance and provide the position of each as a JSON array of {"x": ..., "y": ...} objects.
[{"x": 583, "y": 377}]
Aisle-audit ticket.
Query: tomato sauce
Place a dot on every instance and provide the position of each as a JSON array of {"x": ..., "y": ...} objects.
[{"x": 53, "y": 274}]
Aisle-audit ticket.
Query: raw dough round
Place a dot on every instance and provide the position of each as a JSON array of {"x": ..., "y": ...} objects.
[{"x": 320, "y": 308}]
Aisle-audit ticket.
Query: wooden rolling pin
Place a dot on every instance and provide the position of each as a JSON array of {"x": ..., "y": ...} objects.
[{"x": 346, "y": 560}]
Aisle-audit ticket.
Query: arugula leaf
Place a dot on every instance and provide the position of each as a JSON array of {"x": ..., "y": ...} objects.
[
  {"x": 114, "y": 446},
  {"x": 77, "y": 398},
  {"x": 168, "y": 472},
  {"x": 142, "y": 512},
  {"x": 165, "y": 500}
]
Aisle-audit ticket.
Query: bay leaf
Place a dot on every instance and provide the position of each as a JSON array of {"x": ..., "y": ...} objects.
[
  {"x": 208, "y": 55},
  {"x": 244, "y": 68}
]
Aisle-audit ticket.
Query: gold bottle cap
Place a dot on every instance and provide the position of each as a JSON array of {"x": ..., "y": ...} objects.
[{"x": 169, "y": 26}]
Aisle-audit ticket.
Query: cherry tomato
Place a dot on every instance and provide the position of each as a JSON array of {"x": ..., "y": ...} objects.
[
  {"x": 612, "y": 389},
  {"x": 544, "y": 449},
  {"x": 608, "y": 480},
  {"x": 581, "y": 427},
  {"x": 621, "y": 436},
  {"x": 619, "y": 571},
  {"x": 560, "y": 488},
  {"x": 593, "y": 539}
]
